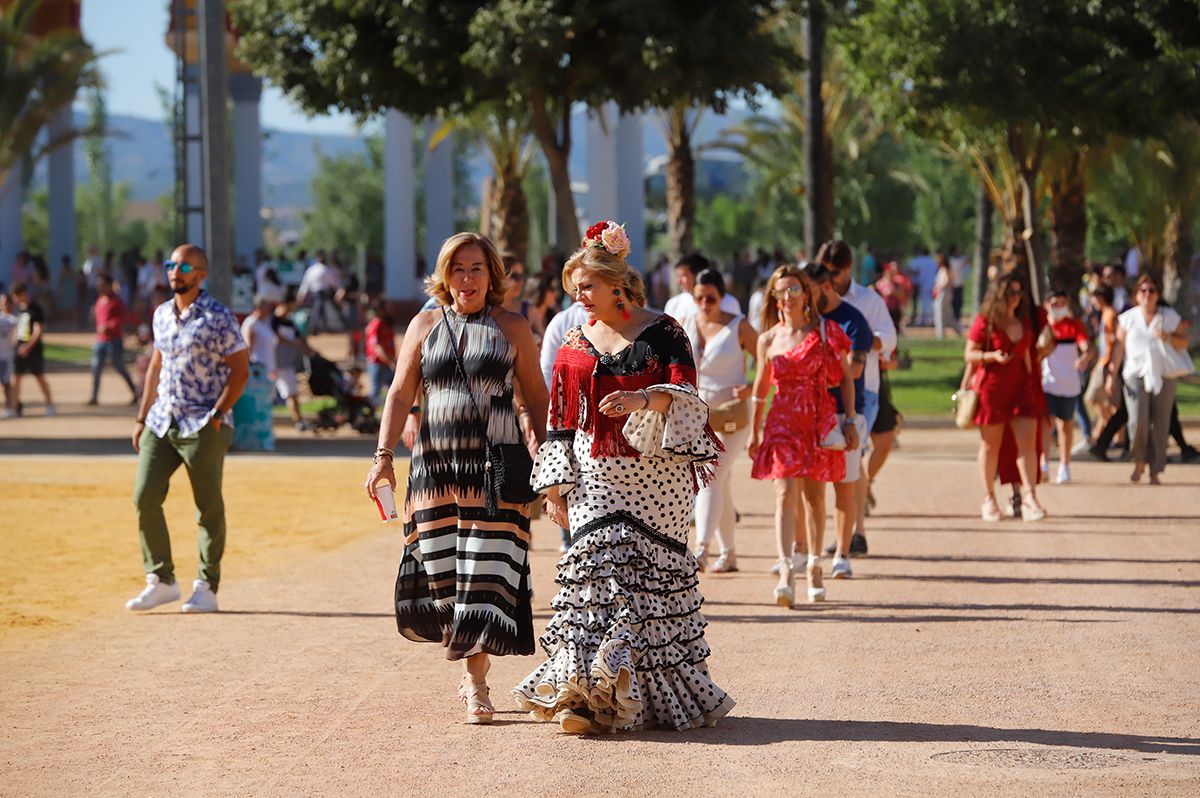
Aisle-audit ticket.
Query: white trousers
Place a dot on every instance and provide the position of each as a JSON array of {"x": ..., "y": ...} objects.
[{"x": 714, "y": 504}]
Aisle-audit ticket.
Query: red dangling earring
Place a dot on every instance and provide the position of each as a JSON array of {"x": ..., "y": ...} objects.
[{"x": 620, "y": 304}]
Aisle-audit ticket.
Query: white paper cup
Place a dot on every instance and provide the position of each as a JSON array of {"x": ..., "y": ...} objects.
[{"x": 385, "y": 501}]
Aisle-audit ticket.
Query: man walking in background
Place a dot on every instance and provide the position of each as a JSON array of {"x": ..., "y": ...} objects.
[
  {"x": 196, "y": 374},
  {"x": 110, "y": 333}
]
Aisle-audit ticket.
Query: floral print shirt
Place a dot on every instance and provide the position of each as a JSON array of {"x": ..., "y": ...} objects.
[{"x": 194, "y": 345}]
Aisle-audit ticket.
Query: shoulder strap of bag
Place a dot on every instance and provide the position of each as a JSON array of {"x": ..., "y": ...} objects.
[{"x": 462, "y": 373}]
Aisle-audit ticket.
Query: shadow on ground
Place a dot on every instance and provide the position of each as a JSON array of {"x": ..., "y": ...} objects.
[{"x": 757, "y": 731}]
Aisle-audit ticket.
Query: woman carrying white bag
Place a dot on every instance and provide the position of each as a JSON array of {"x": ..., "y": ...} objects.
[{"x": 1151, "y": 353}]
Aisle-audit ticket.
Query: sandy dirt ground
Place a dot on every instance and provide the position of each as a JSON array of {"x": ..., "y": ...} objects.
[{"x": 1054, "y": 658}]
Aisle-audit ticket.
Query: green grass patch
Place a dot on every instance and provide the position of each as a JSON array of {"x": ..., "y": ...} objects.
[
  {"x": 68, "y": 354},
  {"x": 937, "y": 367}
]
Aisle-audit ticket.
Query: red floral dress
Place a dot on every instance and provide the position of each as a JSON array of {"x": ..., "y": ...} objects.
[{"x": 804, "y": 411}]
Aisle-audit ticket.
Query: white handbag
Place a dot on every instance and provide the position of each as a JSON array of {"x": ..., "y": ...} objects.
[
  {"x": 835, "y": 439},
  {"x": 1176, "y": 362}
]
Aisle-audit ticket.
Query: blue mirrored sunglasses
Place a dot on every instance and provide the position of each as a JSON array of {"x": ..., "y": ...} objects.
[{"x": 184, "y": 268}]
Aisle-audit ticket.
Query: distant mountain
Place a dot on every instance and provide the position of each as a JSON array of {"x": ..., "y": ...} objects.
[{"x": 143, "y": 155}]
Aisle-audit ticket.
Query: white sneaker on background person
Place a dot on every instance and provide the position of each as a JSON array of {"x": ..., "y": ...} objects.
[
  {"x": 202, "y": 599},
  {"x": 157, "y": 592},
  {"x": 841, "y": 568},
  {"x": 51, "y": 411},
  {"x": 1064, "y": 475},
  {"x": 1080, "y": 447}
]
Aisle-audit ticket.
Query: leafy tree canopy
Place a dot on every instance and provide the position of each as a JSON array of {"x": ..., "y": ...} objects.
[{"x": 1075, "y": 66}]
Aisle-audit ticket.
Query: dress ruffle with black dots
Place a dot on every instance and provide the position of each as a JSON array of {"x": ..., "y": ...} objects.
[{"x": 626, "y": 642}]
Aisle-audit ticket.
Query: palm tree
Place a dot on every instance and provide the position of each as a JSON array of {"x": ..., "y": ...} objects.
[
  {"x": 42, "y": 74},
  {"x": 1149, "y": 188},
  {"x": 505, "y": 135}
]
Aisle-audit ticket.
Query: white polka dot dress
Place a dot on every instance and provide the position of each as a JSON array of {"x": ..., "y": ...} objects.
[{"x": 626, "y": 645}]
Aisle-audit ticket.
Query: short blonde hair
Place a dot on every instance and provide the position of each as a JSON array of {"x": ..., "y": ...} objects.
[
  {"x": 607, "y": 267},
  {"x": 437, "y": 285}
]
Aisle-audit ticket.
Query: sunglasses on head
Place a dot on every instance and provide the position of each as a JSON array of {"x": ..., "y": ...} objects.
[{"x": 182, "y": 268}]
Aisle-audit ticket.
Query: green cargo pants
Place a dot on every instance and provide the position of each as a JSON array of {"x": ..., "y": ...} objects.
[{"x": 158, "y": 459}]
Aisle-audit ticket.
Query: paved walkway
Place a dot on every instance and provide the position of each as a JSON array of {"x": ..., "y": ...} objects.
[{"x": 1056, "y": 658}]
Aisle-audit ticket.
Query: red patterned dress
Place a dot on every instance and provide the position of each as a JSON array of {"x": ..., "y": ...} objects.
[{"x": 804, "y": 411}]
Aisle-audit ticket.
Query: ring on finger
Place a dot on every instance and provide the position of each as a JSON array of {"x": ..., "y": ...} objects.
[{"x": 620, "y": 408}]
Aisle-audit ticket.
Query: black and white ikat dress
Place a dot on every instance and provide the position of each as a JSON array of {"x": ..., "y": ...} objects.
[
  {"x": 464, "y": 575},
  {"x": 626, "y": 645}
]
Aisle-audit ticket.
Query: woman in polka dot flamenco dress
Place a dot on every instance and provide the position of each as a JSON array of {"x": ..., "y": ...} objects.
[{"x": 628, "y": 447}]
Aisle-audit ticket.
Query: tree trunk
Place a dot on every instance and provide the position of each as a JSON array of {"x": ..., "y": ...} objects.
[
  {"x": 511, "y": 213},
  {"x": 1068, "y": 223},
  {"x": 556, "y": 146},
  {"x": 984, "y": 216},
  {"x": 1177, "y": 260},
  {"x": 828, "y": 172},
  {"x": 681, "y": 185},
  {"x": 815, "y": 181}
]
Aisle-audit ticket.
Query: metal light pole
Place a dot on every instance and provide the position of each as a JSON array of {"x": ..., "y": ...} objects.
[{"x": 215, "y": 177}]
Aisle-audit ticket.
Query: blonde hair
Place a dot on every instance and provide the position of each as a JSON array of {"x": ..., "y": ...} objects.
[
  {"x": 770, "y": 311},
  {"x": 607, "y": 267},
  {"x": 437, "y": 285}
]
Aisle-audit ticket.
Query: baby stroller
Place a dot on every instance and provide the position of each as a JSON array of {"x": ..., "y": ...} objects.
[{"x": 326, "y": 379}]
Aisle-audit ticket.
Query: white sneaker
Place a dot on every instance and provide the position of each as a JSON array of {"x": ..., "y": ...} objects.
[
  {"x": 841, "y": 568},
  {"x": 157, "y": 592},
  {"x": 51, "y": 411},
  {"x": 1080, "y": 447},
  {"x": 9, "y": 414},
  {"x": 1064, "y": 475},
  {"x": 202, "y": 600}
]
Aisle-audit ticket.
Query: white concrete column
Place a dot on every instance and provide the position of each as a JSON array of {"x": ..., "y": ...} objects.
[
  {"x": 602, "y": 164},
  {"x": 62, "y": 195},
  {"x": 439, "y": 193},
  {"x": 246, "y": 91},
  {"x": 631, "y": 186},
  {"x": 194, "y": 155},
  {"x": 12, "y": 234},
  {"x": 399, "y": 212}
]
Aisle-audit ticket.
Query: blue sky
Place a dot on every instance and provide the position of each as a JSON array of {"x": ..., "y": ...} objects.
[{"x": 138, "y": 28}]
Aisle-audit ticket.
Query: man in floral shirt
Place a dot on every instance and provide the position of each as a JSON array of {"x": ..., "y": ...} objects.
[{"x": 196, "y": 374}]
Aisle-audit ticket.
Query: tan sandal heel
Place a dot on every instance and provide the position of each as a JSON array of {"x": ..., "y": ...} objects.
[{"x": 479, "y": 703}]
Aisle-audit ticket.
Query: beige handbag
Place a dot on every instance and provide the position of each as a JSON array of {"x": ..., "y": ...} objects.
[
  {"x": 966, "y": 398},
  {"x": 729, "y": 416}
]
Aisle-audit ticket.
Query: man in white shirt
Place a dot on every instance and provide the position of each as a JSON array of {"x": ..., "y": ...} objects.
[
  {"x": 872, "y": 307},
  {"x": 317, "y": 289},
  {"x": 683, "y": 305}
]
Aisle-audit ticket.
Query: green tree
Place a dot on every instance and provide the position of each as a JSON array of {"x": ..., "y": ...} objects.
[
  {"x": 702, "y": 55},
  {"x": 347, "y": 211},
  {"x": 42, "y": 74},
  {"x": 451, "y": 57},
  {"x": 1028, "y": 75}
]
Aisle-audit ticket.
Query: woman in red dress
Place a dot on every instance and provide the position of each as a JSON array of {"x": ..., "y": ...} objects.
[
  {"x": 1002, "y": 344},
  {"x": 802, "y": 364}
]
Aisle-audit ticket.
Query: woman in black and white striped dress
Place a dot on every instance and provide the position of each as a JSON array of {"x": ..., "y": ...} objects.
[{"x": 464, "y": 575}]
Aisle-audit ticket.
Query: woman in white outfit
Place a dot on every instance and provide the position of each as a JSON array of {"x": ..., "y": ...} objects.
[
  {"x": 1143, "y": 333},
  {"x": 720, "y": 343}
]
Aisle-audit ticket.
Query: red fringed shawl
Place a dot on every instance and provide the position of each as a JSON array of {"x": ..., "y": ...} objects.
[{"x": 661, "y": 354}]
